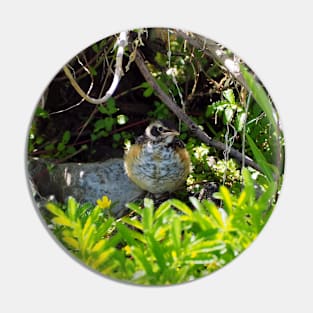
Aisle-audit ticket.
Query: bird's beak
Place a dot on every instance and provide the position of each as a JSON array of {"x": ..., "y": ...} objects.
[{"x": 172, "y": 132}]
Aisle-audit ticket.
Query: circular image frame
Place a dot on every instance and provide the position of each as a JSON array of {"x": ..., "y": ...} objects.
[{"x": 228, "y": 128}]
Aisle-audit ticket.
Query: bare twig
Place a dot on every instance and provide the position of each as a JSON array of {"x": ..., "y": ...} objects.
[
  {"x": 121, "y": 43},
  {"x": 212, "y": 49},
  {"x": 185, "y": 118},
  {"x": 82, "y": 99},
  {"x": 95, "y": 61}
]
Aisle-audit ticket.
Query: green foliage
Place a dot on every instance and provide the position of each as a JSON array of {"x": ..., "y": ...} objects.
[
  {"x": 264, "y": 136},
  {"x": 177, "y": 240},
  {"x": 228, "y": 109},
  {"x": 85, "y": 231},
  {"x": 168, "y": 244},
  {"x": 62, "y": 148},
  {"x": 98, "y": 46},
  {"x": 106, "y": 126},
  {"x": 211, "y": 96},
  {"x": 160, "y": 111},
  {"x": 41, "y": 113},
  {"x": 56, "y": 150},
  {"x": 35, "y": 140},
  {"x": 260, "y": 95},
  {"x": 103, "y": 126}
]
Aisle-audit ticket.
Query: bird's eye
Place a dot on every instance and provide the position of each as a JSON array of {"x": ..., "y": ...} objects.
[{"x": 160, "y": 128}]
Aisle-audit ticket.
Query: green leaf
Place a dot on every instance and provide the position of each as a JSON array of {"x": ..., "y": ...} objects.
[
  {"x": 39, "y": 140},
  {"x": 162, "y": 230},
  {"x": 85, "y": 207},
  {"x": 200, "y": 259},
  {"x": 260, "y": 159},
  {"x": 181, "y": 206},
  {"x": 126, "y": 234},
  {"x": 133, "y": 222},
  {"x": 214, "y": 212},
  {"x": 114, "y": 240},
  {"x": 62, "y": 220},
  {"x": 117, "y": 137},
  {"x": 60, "y": 146},
  {"x": 99, "y": 124},
  {"x": 92, "y": 70},
  {"x": 204, "y": 221},
  {"x": 41, "y": 113},
  {"x": 197, "y": 204},
  {"x": 70, "y": 150},
  {"x": 229, "y": 96},
  {"x": 49, "y": 147},
  {"x": 162, "y": 84},
  {"x": 162, "y": 209},
  {"x": 144, "y": 262},
  {"x": 144, "y": 85},
  {"x": 134, "y": 207},
  {"x": 66, "y": 137},
  {"x": 102, "y": 43},
  {"x": 249, "y": 186},
  {"x": 95, "y": 48},
  {"x": 147, "y": 216},
  {"x": 72, "y": 208},
  {"x": 103, "y": 228},
  {"x": 88, "y": 237},
  {"x": 105, "y": 123},
  {"x": 109, "y": 108},
  {"x": 228, "y": 205},
  {"x": 242, "y": 198},
  {"x": 157, "y": 251},
  {"x": 176, "y": 233},
  {"x": 240, "y": 121},
  {"x": 228, "y": 115},
  {"x": 102, "y": 109},
  {"x": 103, "y": 257},
  {"x": 99, "y": 246},
  {"x": 87, "y": 226},
  {"x": 148, "y": 92},
  {"x": 264, "y": 200},
  {"x": 94, "y": 137},
  {"x": 71, "y": 242},
  {"x": 108, "y": 123},
  {"x": 207, "y": 246},
  {"x": 54, "y": 209},
  {"x": 259, "y": 95}
]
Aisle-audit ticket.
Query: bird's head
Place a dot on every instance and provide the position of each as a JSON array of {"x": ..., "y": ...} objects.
[{"x": 161, "y": 131}]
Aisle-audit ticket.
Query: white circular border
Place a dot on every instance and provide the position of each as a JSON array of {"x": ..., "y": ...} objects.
[{"x": 274, "y": 40}]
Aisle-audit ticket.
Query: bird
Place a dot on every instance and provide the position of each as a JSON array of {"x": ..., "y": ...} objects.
[{"x": 158, "y": 161}]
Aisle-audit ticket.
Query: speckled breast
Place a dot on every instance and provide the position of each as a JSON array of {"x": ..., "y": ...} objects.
[{"x": 158, "y": 169}]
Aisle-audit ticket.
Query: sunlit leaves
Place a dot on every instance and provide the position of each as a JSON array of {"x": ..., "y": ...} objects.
[
  {"x": 260, "y": 95},
  {"x": 260, "y": 159},
  {"x": 168, "y": 244},
  {"x": 227, "y": 109}
]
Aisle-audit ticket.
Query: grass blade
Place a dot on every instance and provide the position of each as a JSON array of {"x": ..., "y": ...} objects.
[
  {"x": 260, "y": 95},
  {"x": 228, "y": 205},
  {"x": 260, "y": 158},
  {"x": 181, "y": 206}
]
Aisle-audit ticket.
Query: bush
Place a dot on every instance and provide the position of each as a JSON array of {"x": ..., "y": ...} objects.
[{"x": 170, "y": 244}]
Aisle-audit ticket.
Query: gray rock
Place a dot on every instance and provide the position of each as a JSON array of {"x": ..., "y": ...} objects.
[{"x": 86, "y": 182}]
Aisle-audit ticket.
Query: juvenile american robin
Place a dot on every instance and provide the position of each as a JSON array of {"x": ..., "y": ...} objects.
[{"x": 158, "y": 161}]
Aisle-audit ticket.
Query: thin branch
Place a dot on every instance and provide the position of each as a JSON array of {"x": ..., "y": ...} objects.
[
  {"x": 97, "y": 59},
  {"x": 82, "y": 99},
  {"x": 212, "y": 49},
  {"x": 185, "y": 118},
  {"x": 121, "y": 43}
]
